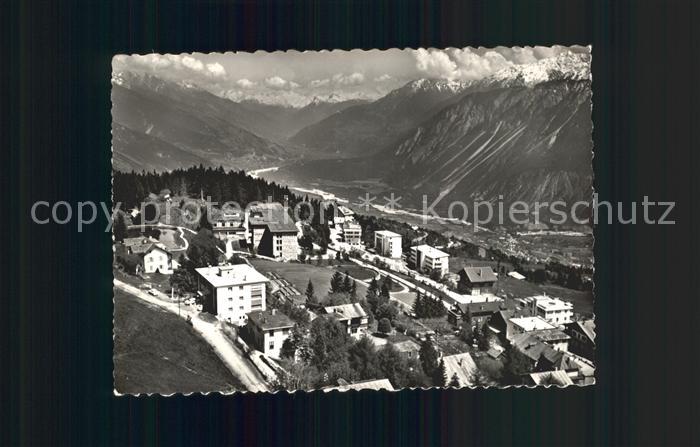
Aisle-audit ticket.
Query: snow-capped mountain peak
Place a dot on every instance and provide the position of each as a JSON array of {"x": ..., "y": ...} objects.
[{"x": 567, "y": 65}]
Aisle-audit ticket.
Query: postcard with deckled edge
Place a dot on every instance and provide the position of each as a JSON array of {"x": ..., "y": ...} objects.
[{"x": 353, "y": 220}]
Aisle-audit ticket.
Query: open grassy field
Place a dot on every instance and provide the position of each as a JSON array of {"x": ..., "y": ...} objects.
[
  {"x": 157, "y": 352},
  {"x": 300, "y": 274},
  {"x": 514, "y": 288}
]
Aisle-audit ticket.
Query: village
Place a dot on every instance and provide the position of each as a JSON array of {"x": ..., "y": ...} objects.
[{"x": 367, "y": 311}]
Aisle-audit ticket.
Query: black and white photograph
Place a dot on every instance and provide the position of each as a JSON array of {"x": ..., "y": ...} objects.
[{"x": 350, "y": 220}]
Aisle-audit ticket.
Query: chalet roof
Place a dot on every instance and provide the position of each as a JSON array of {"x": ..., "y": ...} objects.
[
  {"x": 557, "y": 378},
  {"x": 462, "y": 365},
  {"x": 585, "y": 327},
  {"x": 479, "y": 275},
  {"x": 267, "y": 320},
  {"x": 346, "y": 311},
  {"x": 377, "y": 385},
  {"x": 148, "y": 247},
  {"x": 131, "y": 241},
  {"x": 282, "y": 227},
  {"x": 530, "y": 345},
  {"x": 480, "y": 308}
]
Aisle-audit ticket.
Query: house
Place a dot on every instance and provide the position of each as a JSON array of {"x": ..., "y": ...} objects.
[
  {"x": 462, "y": 366},
  {"x": 231, "y": 292},
  {"x": 388, "y": 244},
  {"x": 480, "y": 312},
  {"x": 352, "y": 316},
  {"x": 427, "y": 259},
  {"x": 582, "y": 335},
  {"x": 476, "y": 280},
  {"x": 155, "y": 257},
  {"x": 409, "y": 349},
  {"x": 377, "y": 385},
  {"x": 271, "y": 231},
  {"x": 267, "y": 330},
  {"x": 229, "y": 227},
  {"x": 351, "y": 233},
  {"x": 554, "y": 310}
]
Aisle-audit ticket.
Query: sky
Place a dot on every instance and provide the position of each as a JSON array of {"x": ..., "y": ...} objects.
[{"x": 295, "y": 78}]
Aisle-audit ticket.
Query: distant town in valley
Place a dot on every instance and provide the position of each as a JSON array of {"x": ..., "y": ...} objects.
[{"x": 324, "y": 276}]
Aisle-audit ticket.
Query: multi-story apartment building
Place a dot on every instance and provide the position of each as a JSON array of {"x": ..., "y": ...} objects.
[
  {"x": 387, "y": 243},
  {"x": 352, "y": 233},
  {"x": 271, "y": 231},
  {"x": 231, "y": 292},
  {"x": 427, "y": 259}
]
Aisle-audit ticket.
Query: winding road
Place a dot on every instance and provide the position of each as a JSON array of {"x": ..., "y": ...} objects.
[{"x": 224, "y": 348}]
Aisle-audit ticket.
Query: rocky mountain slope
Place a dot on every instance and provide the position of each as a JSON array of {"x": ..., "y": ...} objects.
[
  {"x": 367, "y": 128},
  {"x": 522, "y": 143},
  {"x": 192, "y": 120}
]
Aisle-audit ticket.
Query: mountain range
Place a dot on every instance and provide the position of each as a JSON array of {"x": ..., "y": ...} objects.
[{"x": 523, "y": 133}]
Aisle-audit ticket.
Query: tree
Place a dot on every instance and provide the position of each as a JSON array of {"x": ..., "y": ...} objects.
[
  {"x": 204, "y": 220},
  {"x": 120, "y": 229},
  {"x": 373, "y": 286},
  {"x": 466, "y": 334},
  {"x": 440, "y": 375},
  {"x": 384, "y": 326},
  {"x": 363, "y": 359},
  {"x": 385, "y": 291},
  {"x": 393, "y": 365},
  {"x": 516, "y": 365},
  {"x": 353, "y": 291},
  {"x": 418, "y": 305},
  {"x": 310, "y": 296},
  {"x": 347, "y": 283},
  {"x": 454, "y": 382},
  {"x": 428, "y": 357},
  {"x": 386, "y": 310},
  {"x": 336, "y": 282},
  {"x": 292, "y": 343},
  {"x": 329, "y": 342}
]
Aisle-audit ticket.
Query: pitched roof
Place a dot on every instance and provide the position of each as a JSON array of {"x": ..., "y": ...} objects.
[
  {"x": 477, "y": 275},
  {"x": 282, "y": 227},
  {"x": 346, "y": 311},
  {"x": 462, "y": 365},
  {"x": 477, "y": 308},
  {"x": 558, "y": 378},
  {"x": 131, "y": 241},
  {"x": 530, "y": 345},
  {"x": 267, "y": 320},
  {"x": 585, "y": 327},
  {"x": 380, "y": 384}
]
